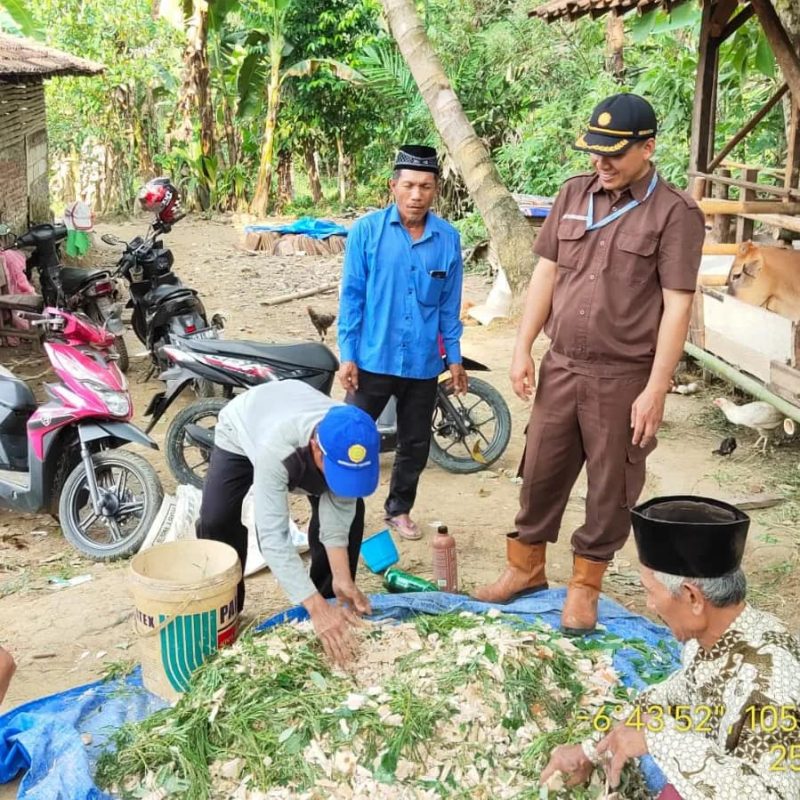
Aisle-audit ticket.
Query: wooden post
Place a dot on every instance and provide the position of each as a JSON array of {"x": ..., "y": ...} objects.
[
  {"x": 744, "y": 227},
  {"x": 704, "y": 110},
  {"x": 721, "y": 230},
  {"x": 793, "y": 149},
  {"x": 781, "y": 45}
]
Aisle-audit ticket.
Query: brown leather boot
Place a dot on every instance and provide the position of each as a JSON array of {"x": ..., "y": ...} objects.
[
  {"x": 579, "y": 615},
  {"x": 524, "y": 573}
]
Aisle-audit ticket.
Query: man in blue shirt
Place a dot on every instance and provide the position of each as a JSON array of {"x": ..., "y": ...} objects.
[{"x": 401, "y": 297}]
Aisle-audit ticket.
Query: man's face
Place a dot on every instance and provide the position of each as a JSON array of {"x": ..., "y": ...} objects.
[
  {"x": 414, "y": 193},
  {"x": 680, "y": 614},
  {"x": 617, "y": 172}
]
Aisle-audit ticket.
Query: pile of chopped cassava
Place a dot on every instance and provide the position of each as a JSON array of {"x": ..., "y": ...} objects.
[{"x": 452, "y": 706}]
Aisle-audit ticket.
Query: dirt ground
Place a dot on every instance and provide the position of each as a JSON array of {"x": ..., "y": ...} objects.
[{"x": 63, "y": 637}]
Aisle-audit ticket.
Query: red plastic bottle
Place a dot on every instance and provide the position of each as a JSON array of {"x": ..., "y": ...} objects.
[{"x": 445, "y": 565}]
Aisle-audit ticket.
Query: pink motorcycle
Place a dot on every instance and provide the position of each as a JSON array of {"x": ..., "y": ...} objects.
[{"x": 61, "y": 457}]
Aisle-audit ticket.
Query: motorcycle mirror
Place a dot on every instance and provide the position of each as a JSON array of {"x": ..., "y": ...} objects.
[
  {"x": 5, "y": 230},
  {"x": 109, "y": 238}
]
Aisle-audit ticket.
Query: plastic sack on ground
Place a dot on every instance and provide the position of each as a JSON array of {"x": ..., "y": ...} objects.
[
  {"x": 498, "y": 302},
  {"x": 42, "y": 739},
  {"x": 178, "y": 514}
]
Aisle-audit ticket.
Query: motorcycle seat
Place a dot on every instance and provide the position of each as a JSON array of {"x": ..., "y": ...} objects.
[
  {"x": 14, "y": 393},
  {"x": 165, "y": 292},
  {"x": 74, "y": 278},
  {"x": 313, "y": 355}
]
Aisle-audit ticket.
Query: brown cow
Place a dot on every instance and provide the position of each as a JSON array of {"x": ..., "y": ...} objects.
[{"x": 767, "y": 277}]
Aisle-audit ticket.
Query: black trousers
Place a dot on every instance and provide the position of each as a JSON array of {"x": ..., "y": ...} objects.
[
  {"x": 415, "y": 401},
  {"x": 229, "y": 478}
]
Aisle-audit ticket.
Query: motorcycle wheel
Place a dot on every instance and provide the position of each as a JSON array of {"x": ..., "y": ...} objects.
[
  {"x": 121, "y": 349},
  {"x": 187, "y": 461},
  {"x": 132, "y": 483},
  {"x": 485, "y": 414}
]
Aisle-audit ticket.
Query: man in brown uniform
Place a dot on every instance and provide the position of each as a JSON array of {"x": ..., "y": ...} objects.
[{"x": 619, "y": 255}]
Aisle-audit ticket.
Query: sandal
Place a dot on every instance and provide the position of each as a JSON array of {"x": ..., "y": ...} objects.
[{"x": 405, "y": 526}]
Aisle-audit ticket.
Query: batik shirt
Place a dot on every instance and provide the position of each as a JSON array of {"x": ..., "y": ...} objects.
[{"x": 731, "y": 727}]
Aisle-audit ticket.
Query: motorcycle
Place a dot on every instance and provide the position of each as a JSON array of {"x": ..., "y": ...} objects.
[
  {"x": 61, "y": 457},
  {"x": 92, "y": 292},
  {"x": 469, "y": 432},
  {"x": 163, "y": 307}
]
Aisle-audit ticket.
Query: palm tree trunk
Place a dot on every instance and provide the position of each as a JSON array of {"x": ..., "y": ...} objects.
[
  {"x": 615, "y": 43},
  {"x": 195, "y": 89},
  {"x": 513, "y": 237},
  {"x": 260, "y": 204},
  {"x": 285, "y": 182},
  {"x": 313, "y": 173},
  {"x": 341, "y": 171}
]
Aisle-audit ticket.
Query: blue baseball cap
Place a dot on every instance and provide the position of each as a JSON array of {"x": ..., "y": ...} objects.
[{"x": 350, "y": 444}]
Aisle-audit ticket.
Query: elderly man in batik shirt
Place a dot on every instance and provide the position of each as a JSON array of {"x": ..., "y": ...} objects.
[{"x": 726, "y": 725}]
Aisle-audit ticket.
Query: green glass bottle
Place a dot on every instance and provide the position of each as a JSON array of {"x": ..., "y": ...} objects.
[{"x": 397, "y": 581}]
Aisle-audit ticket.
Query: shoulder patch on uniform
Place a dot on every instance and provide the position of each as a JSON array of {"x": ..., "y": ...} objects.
[{"x": 687, "y": 199}]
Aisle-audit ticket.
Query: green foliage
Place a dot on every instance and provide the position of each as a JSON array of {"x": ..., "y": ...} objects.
[
  {"x": 111, "y": 120},
  {"x": 527, "y": 87},
  {"x": 472, "y": 229},
  {"x": 16, "y": 18}
]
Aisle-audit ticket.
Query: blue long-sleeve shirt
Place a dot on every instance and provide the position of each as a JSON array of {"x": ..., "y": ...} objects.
[{"x": 398, "y": 295}]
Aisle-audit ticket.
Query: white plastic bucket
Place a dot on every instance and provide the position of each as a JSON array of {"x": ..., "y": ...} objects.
[{"x": 184, "y": 596}]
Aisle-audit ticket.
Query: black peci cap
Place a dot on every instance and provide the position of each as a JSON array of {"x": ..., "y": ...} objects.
[
  {"x": 616, "y": 123},
  {"x": 694, "y": 537},
  {"x": 417, "y": 157}
]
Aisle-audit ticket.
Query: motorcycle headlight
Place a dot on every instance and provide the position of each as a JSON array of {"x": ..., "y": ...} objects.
[{"x": 117, "y": 403}]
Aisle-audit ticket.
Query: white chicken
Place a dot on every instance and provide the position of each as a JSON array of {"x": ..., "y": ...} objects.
[{"x": 760, "y": 416}]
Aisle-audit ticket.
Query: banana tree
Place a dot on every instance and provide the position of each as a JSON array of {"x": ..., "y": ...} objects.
[
  {"x": 16, "y": 18},
  {"x": 264, "y": 64}
]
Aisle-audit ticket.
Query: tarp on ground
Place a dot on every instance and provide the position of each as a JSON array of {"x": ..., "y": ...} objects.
[
  {"x": 305, "y": 226},
  {"x": 42, "y": 740}
]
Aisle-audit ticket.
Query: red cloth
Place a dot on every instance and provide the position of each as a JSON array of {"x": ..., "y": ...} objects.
[
  {"x": 669, "y": 793},
  {"x": 16, "y": 283}
]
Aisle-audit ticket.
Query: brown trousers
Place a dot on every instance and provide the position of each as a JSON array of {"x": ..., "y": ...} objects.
[{"x": 578, "y": 419}]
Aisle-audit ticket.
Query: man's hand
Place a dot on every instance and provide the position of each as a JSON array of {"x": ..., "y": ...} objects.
[
  {"x": 571, "y": 762},
  {"x": 334, "y": 628},
  {"x": 350, "y": 596},
  {"x": 348, "y": 376},
  {"x": 523, "y": 375},
  {"x": 647, "y": 412},
  {"x": 622, "y": 744},
  {"x": 458, "y": 377}
]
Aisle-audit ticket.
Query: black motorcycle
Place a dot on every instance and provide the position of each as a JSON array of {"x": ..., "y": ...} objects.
[
  {"x": 163, "y": 307},
  {"x": 469, "y": 432},
  {"x": 93, "y": 292}
]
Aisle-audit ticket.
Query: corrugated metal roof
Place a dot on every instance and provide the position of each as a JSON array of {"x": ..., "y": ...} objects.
[
  {"x": 573, "y": 9},
  {"x": 24, "y": 59}
]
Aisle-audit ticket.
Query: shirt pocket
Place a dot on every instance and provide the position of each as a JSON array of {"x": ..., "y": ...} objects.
[
  {"x": 429, "y": 284},
  {"x": 571, "y": 243},
  {"x": 637, "y": 260}
]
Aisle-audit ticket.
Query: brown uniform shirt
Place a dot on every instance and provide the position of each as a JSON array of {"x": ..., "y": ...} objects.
[{"x": 607, "y": 301}]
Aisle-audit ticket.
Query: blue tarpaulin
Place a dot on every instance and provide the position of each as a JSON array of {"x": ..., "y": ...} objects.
[
  {"x": 42, "y": 740},
  {"x": 307, "y": 226}
]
